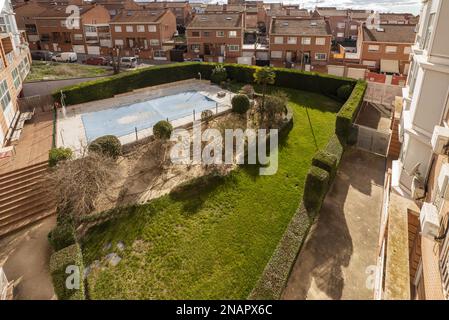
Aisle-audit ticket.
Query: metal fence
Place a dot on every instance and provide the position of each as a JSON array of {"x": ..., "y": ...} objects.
[
  {"x": 372, "y": 140},
  {"x": 382, "y": 93}
]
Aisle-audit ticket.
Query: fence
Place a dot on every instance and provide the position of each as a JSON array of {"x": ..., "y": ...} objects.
[
  {"x": 382, "y": 93},
  {"x": 372, "y": 140},
  {"x": 38, "y": 102}
]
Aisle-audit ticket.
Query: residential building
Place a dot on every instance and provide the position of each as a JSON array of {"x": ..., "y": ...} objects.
[
  {"x": 398, "y": 18},
  {"x": 116, "y": 6},
  {"x": 299, "y": 41},
  {"x": 216, "y": 37},
  {"x": 338, "y": 21},
  {"x": 26, "y": 20},
  {"x": 143, "y": 33},
  {"x": 14, "y": 67},
  {"x": 181, "y": 9},
  {"x": 386, "y": 48},
  {"x": 59, "y": 32},
  {"x": 414, "y": 240}
]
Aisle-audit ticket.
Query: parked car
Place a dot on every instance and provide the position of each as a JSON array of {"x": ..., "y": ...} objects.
[
  {"x": 65, "y": 57},
  {"x": 97, "y": 61},
  {"x": 41, "y": 55},
  {"x": 128, "y": 62}
]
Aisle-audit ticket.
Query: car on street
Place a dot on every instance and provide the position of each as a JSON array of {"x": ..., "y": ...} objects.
[
  {"x": 41, "y": 55},
  {"x": 65, "y": 57},
  {"x": 97, "y": 61},
  {"x": 128, "y": 62}
]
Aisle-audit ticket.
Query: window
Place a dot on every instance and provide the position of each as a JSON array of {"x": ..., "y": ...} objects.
[
  {"x": 429, "y": 31},
  {"x": 320, "y": 41},
  {"x": 16, "y": 78},
  {"x": 373, "y": 48},
  {"x": 78, "y": 37},
  {"x": 276, "y": 54},
  {"x": 140, "y": 28},
  {"x": 118, "y": 28},
  {"x": 407, "y": 50},
  {"x": 369, "y": 63},
  {"x": 5, "y": 98},
  {"x": 220, "y": 34},
  {"x": 340, "y": 35},
  {"x": 154, "y": 42},
  {"x": 151, "y": 28},
  {"x": 195, "y": 47},
  {"x": 31, "y": 28},
  {"x": 129, "y": 29},
  {"x": 278, "y": 40},
  {"x": 90, "y": 29},
  {"x": 233, "y": 47},
  {"x": 353, "y": 27},
  {"x": 206, "y": 34},
  {"x": 232, "y": 34},
  {"x": 195, "y": 34},
  {"x": 22, "y": 69},
  {"x": 391, "y": 49},
  {"x": 291, "y": 40},
  {"x": 159, "y": 54},
  {"x": 118, "y": 42},
  {"x": 306, "y": 41},
  {"x": 341, "y": 25},
  {"x": 320, "y": 56}
]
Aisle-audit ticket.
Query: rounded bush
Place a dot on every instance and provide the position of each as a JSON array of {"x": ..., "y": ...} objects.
[
  {"x": 108, "y": 145},
  {"x": 59, "y": 154},
  {"x": 63, "y": 235},
  {"x": 206, "y": 115},
  {"x": 162, "y": 130},
  {"x": 219, "y": 74},
  {"x": 240, "y": 103},
  {"x": 344, "y": 92}
]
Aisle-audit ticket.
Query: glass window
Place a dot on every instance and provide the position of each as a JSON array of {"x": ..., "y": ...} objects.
[
  {"x": 5, "y": 98},
  {"x": 140, "y": 28},
  {"x": 129, "y": 29},
  {"x": 320, "y": 41},
  {"x": 391, "y": 49},
  {"x": 279, "y": 40},
  {"x": 306, "y": 41},
  {"x": 320, "y": 56},
  {"x": 276, "y": 54},
  {"x": 220, "y": 34},
  {"x": 291, "y": 40},
  {"x": 154, "y": 42},
  {"x": 118, "y": 28},
  {"x": 233, "y": 47},
  {"x": 16, "y": 78},
  {"x": 232, "y": 34},
  {"x": 373, "y": 48},
  {"x": 151, "y": 28}
]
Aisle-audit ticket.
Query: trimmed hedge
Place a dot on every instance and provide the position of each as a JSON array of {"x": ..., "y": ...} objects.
[
  {"x": 59, "y": 261},
  {"x": 326, "y": 161},
  {"x": 63, "y": 234},
  {"x": 335, "y": 147},
  {"x": 317, "y": 184},
  {"x": 108, "y": 145},
  {"x": 145, "y": 77},
  {"x": 348, "y": 112}
]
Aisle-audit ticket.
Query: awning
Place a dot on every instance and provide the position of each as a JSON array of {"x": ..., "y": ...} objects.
[{"x": 390, "y": 66}]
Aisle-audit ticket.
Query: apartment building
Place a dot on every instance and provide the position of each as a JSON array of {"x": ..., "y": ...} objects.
[
  {"x": 338, "y": 21},
  {"x": 181, "y": 9},
  {"x": 58, "y": 32},
  {"x": 26, "y": 20},
  {"x": 216, "y": 37},
  {"x": 414, "y": 240},
  {"x": 398, "y": 18},
  {"x": 386, "y": 48},
  {"x": 144, "y": 33},
  {"x": 299, "y": 41},
  {"x": 14, "y": 67},
  {"x": 114, "y": 7}
]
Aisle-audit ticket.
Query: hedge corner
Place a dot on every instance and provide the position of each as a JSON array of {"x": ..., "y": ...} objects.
[
  {"x": 317, "y": 185},
  {"x": 67, "y": 272}
]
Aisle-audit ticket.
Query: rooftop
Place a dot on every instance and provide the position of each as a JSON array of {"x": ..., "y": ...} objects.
[
  {"x": 312, "y": 27},
  {"x": 402, "y": 33},
  {"x": 144, "y": 16},
  {"x": 217, "y": 20}
]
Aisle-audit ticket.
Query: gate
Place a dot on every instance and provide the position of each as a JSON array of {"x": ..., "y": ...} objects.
[{"x": 372, "y": 140}]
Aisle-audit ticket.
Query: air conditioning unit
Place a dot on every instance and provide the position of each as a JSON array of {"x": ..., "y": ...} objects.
[
  {"x": 418, "y": 189},
  {"x": 443, "y": 180},
  {"x": 429, "y": 221},
  {"x": 440, "y": 139}
]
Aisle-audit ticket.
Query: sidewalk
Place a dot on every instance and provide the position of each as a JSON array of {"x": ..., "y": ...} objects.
[{"x": 338, "y": 258}]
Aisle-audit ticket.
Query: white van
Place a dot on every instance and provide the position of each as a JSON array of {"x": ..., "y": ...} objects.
[
  {"x": 65, "y": 57},
  {"x": 128, "y": 62}
]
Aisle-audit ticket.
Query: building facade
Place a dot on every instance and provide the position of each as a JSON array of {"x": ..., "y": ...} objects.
[{"x": 14, "y": 67}]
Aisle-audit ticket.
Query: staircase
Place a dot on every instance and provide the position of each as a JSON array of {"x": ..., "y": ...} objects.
[
  {"x": 395, "y": 146},
  {"x": 25, "y": 198}
]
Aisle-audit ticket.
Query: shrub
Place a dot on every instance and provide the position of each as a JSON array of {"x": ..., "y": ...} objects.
[
  {"x": 274, "y": 105},
  {"x": 206, "y": 115},
  {"x": 108, "y": 145},
  {"x": 326, "y": 161},
  {"x": 247, "y": 90},
  {"x": 317, "y": 183},
  {"x": 335, "y": 147},
  {"x": 162, "y": 130},
  {"x": 59, "y": 261},
  {"x": 348, "y": 112},
  {"x": 59, "y": 154},
  {"x": 219, "y": 74},
  {"x": 344, "y": 92},
  {"x": 240, "y": 103},
  {"x": 63, "y": 234}
]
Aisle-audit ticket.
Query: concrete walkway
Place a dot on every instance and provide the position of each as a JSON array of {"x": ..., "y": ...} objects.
[
  {"x": 339, "y": 255},
  {"x": 25, "y": 257}
]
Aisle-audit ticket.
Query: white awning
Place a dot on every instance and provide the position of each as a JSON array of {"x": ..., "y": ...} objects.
[{"x": 391, "y": 66}]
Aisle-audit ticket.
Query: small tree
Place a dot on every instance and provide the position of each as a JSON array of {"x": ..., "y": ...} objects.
[
  {"x": 219, "y": 74},
  {"x": 240, "y": 103},
  {"x": 264, "y": 76},
  {"x": 162, "y": 130},
  {"x": 274, "y": 106},
  {"x": 108, "y": 145}
]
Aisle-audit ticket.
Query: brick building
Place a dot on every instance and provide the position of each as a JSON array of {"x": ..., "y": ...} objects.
[
  {"x": 181, "y": 9},
  {"x": 216, "y": 37},
  {"x": 299, "y": 41},
  {"x": 143, "y": 33},
  {"x": 387, "y": 48},
  {"x": 26, "y": 20}
]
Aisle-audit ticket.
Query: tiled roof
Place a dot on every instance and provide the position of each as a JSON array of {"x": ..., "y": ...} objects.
[
  {"x": 217, "y": 20},
  {"x": 144, "y": 16},
  {"x": 399, "y": 33},
  {"x": 306, "y": 27},
  {"x": 59, "y": 11},
  {"x": 332, "y": 12}
]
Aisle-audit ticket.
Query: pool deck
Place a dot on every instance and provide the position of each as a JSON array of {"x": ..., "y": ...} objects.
[{"x": 70, "y": 128}]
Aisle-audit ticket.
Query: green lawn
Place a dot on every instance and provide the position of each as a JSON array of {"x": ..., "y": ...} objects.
[
  {"x": 211, "y": 242},
  {"x": 41, "y": 70}
]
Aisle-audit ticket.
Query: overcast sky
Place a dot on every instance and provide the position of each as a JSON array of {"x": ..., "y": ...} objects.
[{"x": 412, "y": 6}]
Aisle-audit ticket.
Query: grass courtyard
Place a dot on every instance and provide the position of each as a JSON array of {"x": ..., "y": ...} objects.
[
  {"x": 41, "y": 70},
  {"x": 211, "y": 241}
]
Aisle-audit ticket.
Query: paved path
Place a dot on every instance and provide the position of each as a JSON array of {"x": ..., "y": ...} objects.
[
  {"x": 48, "y": 87},
  {"x": 341, "y": 246},
  {"x": 25, "y": 257}
]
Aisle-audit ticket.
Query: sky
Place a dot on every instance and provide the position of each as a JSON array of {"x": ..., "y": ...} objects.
[{"x": 412, "y": 6}]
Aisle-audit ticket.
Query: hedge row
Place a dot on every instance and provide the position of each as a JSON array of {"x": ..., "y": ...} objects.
[
  {"x": 348, "y": 112},
  {"x": 66, "y": 268},
  {"x": 110, "y": 86}
]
